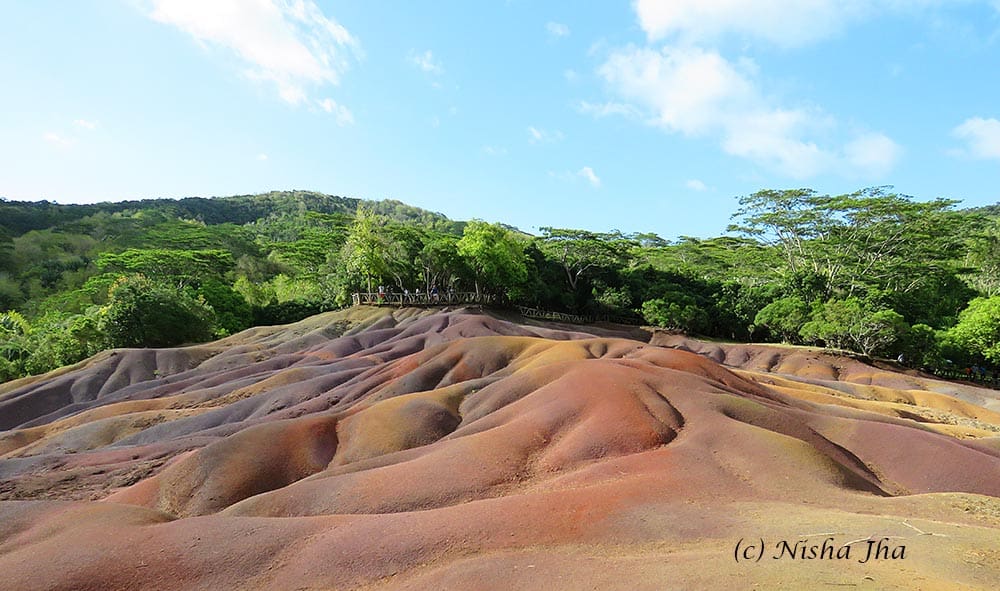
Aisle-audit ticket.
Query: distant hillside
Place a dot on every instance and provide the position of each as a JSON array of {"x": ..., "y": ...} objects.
[
  {"x": 992, "y": 211},
  {"x": 19, "y": 217}
]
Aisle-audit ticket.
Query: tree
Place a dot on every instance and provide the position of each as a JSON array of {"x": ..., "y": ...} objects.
[
  {"x": 580, "y": 250},
  {"x": 439, "y": 261},
  {"x": 232, "y": 312},
  {"x": 369, "y": 250},
  {"x": 675, "y": 311},
  {"x": 869, "y": 239},
  {"x": 180, "y": 266},
  {"x": 978, "y": 329},
  {"x": 784, "y": 317},
  {"x": 494, "y": 254},
  {"x": 848, "y": 324},
  {"x": 143, "y": 313},
  {"x": 983, "y": 260},
  {"x": 785, "y": 218},
  {"x": 921, "y": 347}
]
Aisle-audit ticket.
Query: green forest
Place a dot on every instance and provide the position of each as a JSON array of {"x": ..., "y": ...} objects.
[{"x": 873, "y": 272}]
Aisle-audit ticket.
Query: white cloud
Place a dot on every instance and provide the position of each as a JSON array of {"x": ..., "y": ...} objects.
[
  {"x": 874, "y": 154},
  {"x": 426, "y": 62},
  {"x": 262, "y": 157},
  {"x": 570, "y": 75},
  {"x": 343, "y": 114},
  {"x": 287, "y": 42},
  {"x": 982, "y": 137},
  {"x": 541, "y": 136},
  {"x": 588, "y": 173},
  {"x": 687, "y": 89},
  {"x": 786, "y": 23},
  {"x": 697, "y": 92},
  {"x": 495, "y": 150},
  {"x": 696, "y": 185},
  {"x": 606, "y": 109},
  {"x": 57, "y": 140},
  {"x": 85, "y": 124},
  {"x": 557, "y": 29}
]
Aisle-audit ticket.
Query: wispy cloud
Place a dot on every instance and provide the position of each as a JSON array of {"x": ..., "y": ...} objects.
[
  {"x": 289, "y": 43},
  {"x": 557, "y": 30},
  {"x": 588, "y": 173},
  {"x": 57, "y": 140},
  {"x": 343, "y": 114},
  {"x": 495, "y": 150},
  {"x": 262, "y": 157},
  {"x": 85, "y": 124},
  {"x": 696, "y": 185},
  {"x": 786, "y": 23},
  {"x": 426, "y": 62},
  {"x": 982, "y": 137},
  {"x": 541, "y": 136},
  {"x": 606, "y": 109}
]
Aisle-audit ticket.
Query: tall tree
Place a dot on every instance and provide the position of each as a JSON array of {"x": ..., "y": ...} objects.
[
  {"x": 439, "y": 261},
  {"x": 978, "y": 329},
  {"x": 370, "y": 250},
  {"x": 786, "y": 218},
  {"x": 494, "y": 254},
  {"x": 180, "y": 266},
  {"x": 579, "y": 251}
]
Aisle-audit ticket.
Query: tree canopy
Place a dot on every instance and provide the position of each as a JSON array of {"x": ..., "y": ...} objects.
[{"x": 873, "y": 271}]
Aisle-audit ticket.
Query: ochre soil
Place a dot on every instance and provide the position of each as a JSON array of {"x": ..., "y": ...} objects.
[{"x": 420, "y": 449}]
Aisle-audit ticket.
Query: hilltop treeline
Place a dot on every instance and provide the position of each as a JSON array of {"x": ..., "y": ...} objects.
[{"x": 872, "y": 271}]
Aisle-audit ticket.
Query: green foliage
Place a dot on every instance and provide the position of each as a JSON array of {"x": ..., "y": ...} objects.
[
  {"x": 978, "y": 329},
  {"x": 50, "y": 342},
  {"x": 495, "y": 255},
  {"x": 232, "y": 312},
  {"x": 144, "y": 313},
  {"x": 439, "y": 262},
  {"x": 983, "y": 260},
  {"x": 675, "y": 311},
  {"x": 867, "y": 240},
  {"x": 921, "y": 347},
  {"x": 255, "y": 293},
  {"x": 181, "y": 266},
  {"x": 848, "y": 324},
  {"x": 370, "y": 250},
  {"x": 784, "y": 317},
  {"x": 579, "y": 250}
]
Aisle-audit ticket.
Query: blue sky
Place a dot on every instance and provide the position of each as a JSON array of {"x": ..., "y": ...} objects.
[{"x": 649, "y": 116}]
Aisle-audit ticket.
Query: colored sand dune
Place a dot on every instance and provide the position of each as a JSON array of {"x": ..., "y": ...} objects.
[{"x": 375, "y": 448}]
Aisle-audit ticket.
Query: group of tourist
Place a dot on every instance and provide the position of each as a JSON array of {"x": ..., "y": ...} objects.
[
  {"x": 432, "y": 296},
  {"x": 979, "y": 373}
]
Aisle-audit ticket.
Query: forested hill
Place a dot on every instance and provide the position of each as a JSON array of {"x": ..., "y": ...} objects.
[
  {"x": 871, "y": 271},
  {"x": 18, "y": 217}
]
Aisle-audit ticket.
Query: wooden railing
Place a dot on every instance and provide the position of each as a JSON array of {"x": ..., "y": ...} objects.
[
  {"x": 470, "y": 297},
  {"x": 573, "y": 318},
  {"x": 421, "y": 299}
]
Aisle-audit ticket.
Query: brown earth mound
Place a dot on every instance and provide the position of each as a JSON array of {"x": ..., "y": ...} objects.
[{"x": 377, "y": 448}]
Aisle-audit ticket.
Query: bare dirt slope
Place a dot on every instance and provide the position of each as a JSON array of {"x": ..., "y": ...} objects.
[{"x": 414, "y": 449}]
